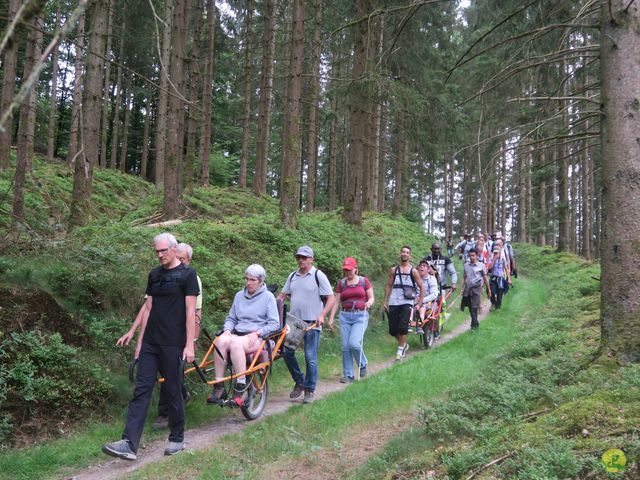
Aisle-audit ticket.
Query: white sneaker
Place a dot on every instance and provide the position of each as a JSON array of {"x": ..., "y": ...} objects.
[{"x": 404, "y": 349}]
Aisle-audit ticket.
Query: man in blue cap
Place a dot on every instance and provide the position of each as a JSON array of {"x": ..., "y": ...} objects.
[{"x": 311, "y": 300}]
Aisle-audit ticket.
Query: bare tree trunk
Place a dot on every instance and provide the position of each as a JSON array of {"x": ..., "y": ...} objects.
[
  {"x": 195, "y": 88},
  {"x": 125, "y": 126},
  {"x": 563, "y": 187},
  {"x": 573, "y": 241},
  {"x": 401, "y": 146},
  {"x": 106, "y": 103},
  {"x": 74, "y": 132},
  {"x": 115, "y": 131},
  {"x": 53, "y": 105},
  {"x": 620, "y": 254},
  {"x": 26, "y": 126},
  {"x": 83, "y": 174},
  {"x": 207, "y": 94},
  {"x": 264, "y": 107},
  {"x": 145, "y": 139},
  {"x": 353, "y": 204},
  {"x": 382, "y": 168},
  {"x": 161, "y": 112},
  {"x": 542, "y": 203},
  {"x": 523, "y": 173},
  {"x": 175, "y": 115},
  {"x": 289, "y": 184},
  {"x": 312, "y": 165},
  {"x": 246, "y": 112},
  {"x": 9, "y": 67}
]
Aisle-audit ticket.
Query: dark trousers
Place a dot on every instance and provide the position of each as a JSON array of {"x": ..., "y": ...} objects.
[
  {"x": 474, "y": 317},
  {"x": 163, "y": 405},
  {"x": 153, "y": 359},
  {"x": 497, "y": 291}
]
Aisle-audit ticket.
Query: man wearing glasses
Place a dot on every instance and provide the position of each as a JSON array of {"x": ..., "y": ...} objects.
[
  {"x": 165, "y": 340},
  {"x": 311, "y": 300}
]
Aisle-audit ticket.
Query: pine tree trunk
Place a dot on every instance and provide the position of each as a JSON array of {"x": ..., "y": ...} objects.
[
  {"x": 382, "y": 167},
  {"x": 53, "y": 104},
  {"x": 162, "y": 112},
  {"x": 9, "y": 68},
  {"x": 115, "y": 131},
  {"x": 401, "y": 145},
  {"x": 587, "y": 217},
  {"x": 289, "y": 181},
  {"x": 563, "y": 193},
  {"x": 26, "y": 125},
  {"x": 195, "y": 88},
  {"x": 125, "y": 126},
  {"x": 312, "y": 142},
  {"x": 573, "y": 218},
  {"x": 106, "y": 89},
  {"x": 353, "y": 204},
  {"x": 542, "y": 202},
  {"x": 74, "y": 132},
  {"x": 144, "y": 162},
  {"x": 620, "y": 253},
  {"x": 523, "y": 173},
  {"x": 175, "y": 117},
  {"x": 246, "y": 112},
  {"x": 207, "y": 95},
  {"x": 92, "y": 100},
  {"x": 264, "y": 107}
]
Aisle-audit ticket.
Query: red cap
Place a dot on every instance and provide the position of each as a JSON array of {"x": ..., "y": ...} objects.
[{"x": 349, "y": 263}]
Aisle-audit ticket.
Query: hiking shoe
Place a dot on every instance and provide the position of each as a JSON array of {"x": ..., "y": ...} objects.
[
  {"x": 420, "y": 331},
  {"x": 363, "y": 371},
  {"x": 160, "y": 423},
  {"x": 238, "y": 394},
  {"x": 120, "y": 449},
  {"x": 437, "y": 334},
  {"x": 173, "y": 448},
  {"x": 297, "y": 391},
  {"x": 404, "y": 349},
  {"x": 308, "y": 396},
  {"x": 218, "y": 395},
  {"x": 346, "y": 380}
]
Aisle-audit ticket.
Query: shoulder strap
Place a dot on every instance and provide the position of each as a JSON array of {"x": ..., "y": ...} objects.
[
  {"x": 411, "y": 276},
  {"x": 291, "y": 276},
  {"x": 399, "y": 274},
  {"x": 362, "y": 282},
  {"x": 343, "y": 283},
  {"x": 317, "y": 281}
]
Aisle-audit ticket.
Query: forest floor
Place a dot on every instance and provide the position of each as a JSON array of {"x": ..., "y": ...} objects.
[{"x": 364, "y": 443}]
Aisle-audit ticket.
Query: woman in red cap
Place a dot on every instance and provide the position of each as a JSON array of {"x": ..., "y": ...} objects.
[{"x": 355, "y": 294}]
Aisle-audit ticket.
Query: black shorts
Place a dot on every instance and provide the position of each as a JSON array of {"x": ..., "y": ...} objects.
[{"x": 399, "y": 319}]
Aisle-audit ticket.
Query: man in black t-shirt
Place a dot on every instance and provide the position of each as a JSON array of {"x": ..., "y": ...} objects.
[{"x": 166, "y": 338}]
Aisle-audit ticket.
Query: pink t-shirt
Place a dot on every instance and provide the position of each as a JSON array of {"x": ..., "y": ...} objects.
[{"x": 353, "y": 296}]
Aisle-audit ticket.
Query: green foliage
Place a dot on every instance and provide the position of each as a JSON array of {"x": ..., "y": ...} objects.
[{"x": 41, "y": 375}]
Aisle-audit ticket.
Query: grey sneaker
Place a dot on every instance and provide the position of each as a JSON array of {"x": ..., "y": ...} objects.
[
  {"x": 346, "y": 379},
  {"x": 173, "y": 448},
  {"x": 297, "y": 391},
  {"x": 308, "y": 396},
  {"x": 363, "y": 371},
  {"x": 120, "y": 449},
  {"x": 160, "y": 423}
]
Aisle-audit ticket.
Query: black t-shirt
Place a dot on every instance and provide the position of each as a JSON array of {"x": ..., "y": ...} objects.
[{"x": 168, "y": 288}]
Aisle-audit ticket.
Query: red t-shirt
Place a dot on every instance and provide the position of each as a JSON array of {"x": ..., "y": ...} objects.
[{"x": 353, "y": 296}]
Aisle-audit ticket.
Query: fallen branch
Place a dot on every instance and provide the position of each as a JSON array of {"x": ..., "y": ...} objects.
[
  {"x": 530, "y": 415},
  {"x": 167, "y": 223},
  {"x": 490, "y": 464}
]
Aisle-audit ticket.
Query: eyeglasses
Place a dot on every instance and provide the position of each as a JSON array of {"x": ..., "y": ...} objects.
[
  {"x": 301, "y": 257},
  {"x": 162, "y": 251}
]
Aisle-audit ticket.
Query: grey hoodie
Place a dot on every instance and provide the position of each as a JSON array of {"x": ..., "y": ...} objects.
[{"x": 256, "y": 312}]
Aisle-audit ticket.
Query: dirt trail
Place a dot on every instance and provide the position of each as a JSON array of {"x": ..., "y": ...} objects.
[{"x": 206, "y": 436}]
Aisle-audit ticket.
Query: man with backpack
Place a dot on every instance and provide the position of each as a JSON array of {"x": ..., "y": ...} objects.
[
  {"x": 464, "y": 246},
  {"x": 311, "y": 300},
  {"x": 400, "y": 294}
]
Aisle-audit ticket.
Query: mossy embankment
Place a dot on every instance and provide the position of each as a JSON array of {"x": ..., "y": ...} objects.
[{"x": 68, "y": 295}]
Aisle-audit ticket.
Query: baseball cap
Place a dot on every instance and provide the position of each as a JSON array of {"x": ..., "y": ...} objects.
[
  {"x": 349, "y": 263},
  {"x": 305, "y": 251}
]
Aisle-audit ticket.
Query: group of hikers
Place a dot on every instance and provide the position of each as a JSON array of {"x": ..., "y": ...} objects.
[{"x": 170, "y": 318}]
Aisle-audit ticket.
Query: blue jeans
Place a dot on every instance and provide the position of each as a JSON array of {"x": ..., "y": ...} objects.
[
  {"x": 311, "y": 344},
  {"x": 352, "y": 327}
]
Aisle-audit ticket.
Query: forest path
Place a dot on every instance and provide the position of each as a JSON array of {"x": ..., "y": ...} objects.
[{"x": 203, "y": 437}]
